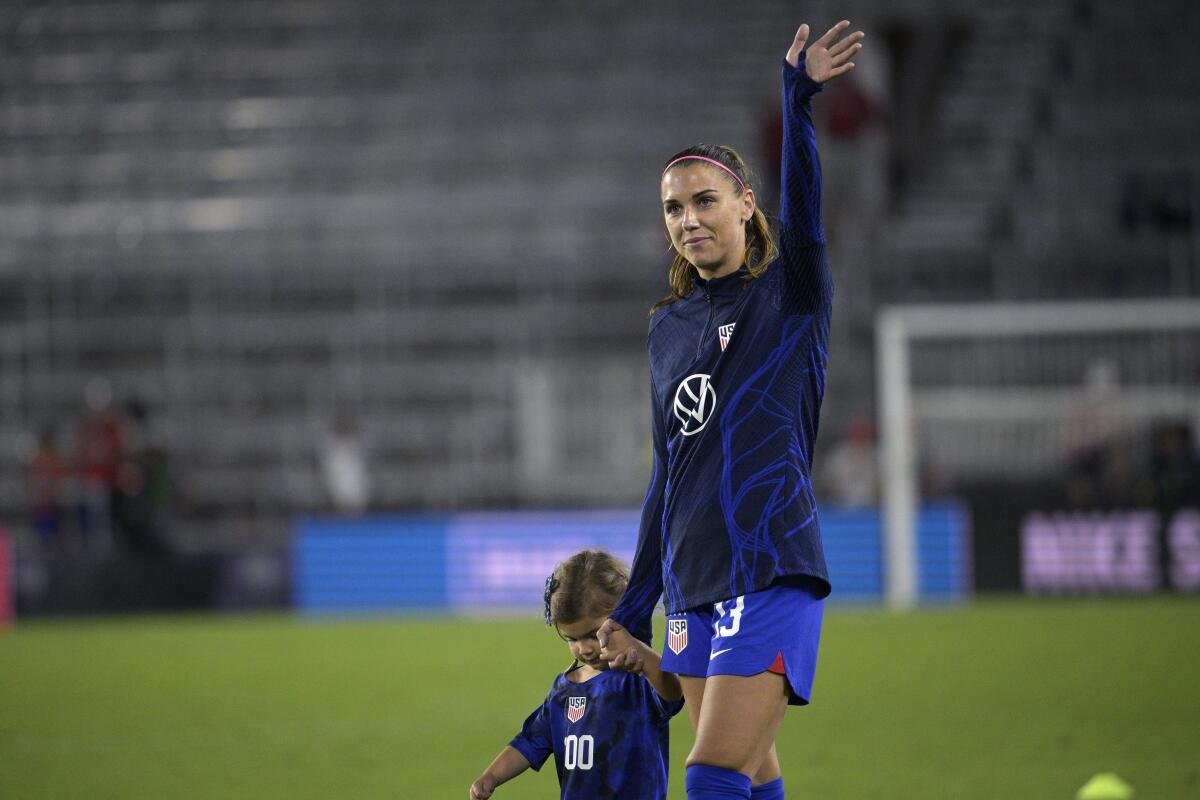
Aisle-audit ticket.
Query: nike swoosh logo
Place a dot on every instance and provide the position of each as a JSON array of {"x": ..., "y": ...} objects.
[{"x": 718, "y": 652}]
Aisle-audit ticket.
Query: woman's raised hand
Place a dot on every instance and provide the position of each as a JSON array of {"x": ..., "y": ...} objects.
[{"x": 829, "y": 56}]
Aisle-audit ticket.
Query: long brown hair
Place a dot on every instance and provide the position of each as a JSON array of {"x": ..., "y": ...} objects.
[
  {"x": 588, "y": 584},
  {"x": 760, "y": 244}
]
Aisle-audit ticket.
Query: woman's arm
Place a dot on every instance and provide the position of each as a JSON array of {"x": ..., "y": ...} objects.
[
  {"x": 645, "y": 578},
  {"x": 508, "y": 765},
  {"x": 804, "y": 74}
]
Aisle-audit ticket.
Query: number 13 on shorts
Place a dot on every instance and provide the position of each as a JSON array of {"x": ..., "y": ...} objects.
[{"x": 733, "y": 614}]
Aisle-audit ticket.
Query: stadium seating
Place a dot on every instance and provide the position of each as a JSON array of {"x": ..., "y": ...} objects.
[{"x": 254, "y": 215}]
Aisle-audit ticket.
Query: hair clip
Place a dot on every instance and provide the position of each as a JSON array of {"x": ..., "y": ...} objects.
[{"x": 551, "y": 585}]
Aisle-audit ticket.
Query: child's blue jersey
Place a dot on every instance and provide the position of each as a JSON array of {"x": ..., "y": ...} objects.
[
  {"x": 737, "y": 376},
  {"x": 609, "y": 737}
]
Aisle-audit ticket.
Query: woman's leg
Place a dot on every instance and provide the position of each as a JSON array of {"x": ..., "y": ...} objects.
[
  {"x": 693, "y": 694},
  {"x": 770, "y": 770},
  {"x": 694, "y": 701},
  {"x": 693, "y": 697},
  {"x": 738, "y": 719}
]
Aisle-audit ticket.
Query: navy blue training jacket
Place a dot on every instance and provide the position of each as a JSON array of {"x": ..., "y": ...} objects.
[{"x": 737, "y": 375}]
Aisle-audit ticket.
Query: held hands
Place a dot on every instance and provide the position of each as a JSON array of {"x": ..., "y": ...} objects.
[
  {"x": 620, "y": 649},
  {"x": 829, "y": 56}
]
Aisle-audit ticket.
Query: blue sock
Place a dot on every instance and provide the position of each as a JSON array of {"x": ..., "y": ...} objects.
[
  {"x": 768, "y": 791},
  {"x": 715, "y": 783}
]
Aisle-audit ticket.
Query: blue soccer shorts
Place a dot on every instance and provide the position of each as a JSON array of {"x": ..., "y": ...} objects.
[{"x": 775, "y": 630}]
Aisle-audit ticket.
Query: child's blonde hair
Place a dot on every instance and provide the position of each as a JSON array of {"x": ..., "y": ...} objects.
[{"x": 588, "y": 584}]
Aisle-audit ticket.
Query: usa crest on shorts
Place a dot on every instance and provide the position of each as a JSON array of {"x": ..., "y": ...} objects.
[
  {"x": 575, "y": 708},
  {"x": 677, "y": 635}
]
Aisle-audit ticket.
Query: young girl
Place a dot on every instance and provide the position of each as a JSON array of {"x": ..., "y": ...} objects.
[{"x": 607, "y": 729}]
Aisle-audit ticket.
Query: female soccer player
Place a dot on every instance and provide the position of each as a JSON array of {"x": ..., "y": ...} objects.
[
  {"x": 729, "y": 532},
  {"x": 607, "y": 729}
]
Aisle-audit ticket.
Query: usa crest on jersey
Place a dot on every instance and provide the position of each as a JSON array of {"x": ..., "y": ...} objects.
[
  {"x": 677, "y": 635},
  {"x": 724, "y": 332},
  {"x": 575, "y": 708}
]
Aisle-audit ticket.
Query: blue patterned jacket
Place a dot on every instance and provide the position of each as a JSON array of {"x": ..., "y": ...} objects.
[{"x": 737, "y": 376}]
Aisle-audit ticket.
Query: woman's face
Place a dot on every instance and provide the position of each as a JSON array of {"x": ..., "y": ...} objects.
[{"x": 706, "y": 217}]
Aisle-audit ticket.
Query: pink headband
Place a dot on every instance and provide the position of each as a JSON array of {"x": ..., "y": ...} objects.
[{"x": 710, "y": 161}]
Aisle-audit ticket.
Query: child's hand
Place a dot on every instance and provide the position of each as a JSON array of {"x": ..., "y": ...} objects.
[
  {"x": 620, "y": 649},
  {"x": 482, "y": 788}
]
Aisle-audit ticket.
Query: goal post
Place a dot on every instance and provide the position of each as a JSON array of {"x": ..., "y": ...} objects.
[{"x": 995, "y": 389}]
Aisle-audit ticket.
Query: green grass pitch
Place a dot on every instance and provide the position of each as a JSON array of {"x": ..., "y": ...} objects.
[{"x": 995, "y": 699}]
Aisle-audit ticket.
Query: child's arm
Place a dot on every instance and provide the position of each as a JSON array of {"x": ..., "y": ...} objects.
[
  {"x": 508, "y": 765},
  {"x": 624, "y": 651},
  {"x": 665, "y": 683}
]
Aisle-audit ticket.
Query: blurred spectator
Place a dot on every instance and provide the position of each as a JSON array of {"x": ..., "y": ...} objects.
[
  {"x": 1174, "y": 465},
  {"x": 854, "y": 126},
  {"x": 855, "y": 122},
  {"x": 1093, "y": 453},
  {"x": 137, "y": 492},
  {"x": 99, "y": 451},
  {"x": 46, "y": 482},
  {"x": 1091, "y": 421},
  {"x": 849, "y": 470},
  {"x": 1120, "y": 481},
  {"x": 132, "y": 517},
  {"x": 344, "y": 466},
  {"x": 146, "y": 442}
]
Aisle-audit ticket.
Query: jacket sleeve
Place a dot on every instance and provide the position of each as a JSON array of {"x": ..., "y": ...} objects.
[
  {"x": 800, "y": 193},
  {"x": 806, "y": 275},
  {"x": 636, "y": 607}
]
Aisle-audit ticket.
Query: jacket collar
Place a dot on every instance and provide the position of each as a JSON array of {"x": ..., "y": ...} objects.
[{"x": 730, "y": 284}]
